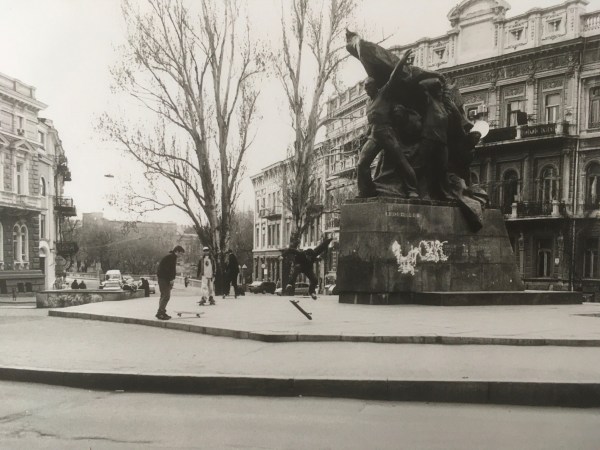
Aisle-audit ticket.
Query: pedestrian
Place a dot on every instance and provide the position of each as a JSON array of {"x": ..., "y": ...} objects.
[
  {"x": 232, "y": 269},
  {"x": 206, "y": 272},
  {"x": 74, "y": 285},
  {"x": 82, "y": 285},
  {"x": 167, "y": 270},
  {"x": 186, "y": 281},
  {"x": 303, "y": 263},
  {"x": 146, "y": 287}
]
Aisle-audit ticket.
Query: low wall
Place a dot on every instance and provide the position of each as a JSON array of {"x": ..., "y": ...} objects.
[{"x": 73, "y": 297}]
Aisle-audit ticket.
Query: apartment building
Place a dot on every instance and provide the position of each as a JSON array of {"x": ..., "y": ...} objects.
[{"x": 33, "y": 169}]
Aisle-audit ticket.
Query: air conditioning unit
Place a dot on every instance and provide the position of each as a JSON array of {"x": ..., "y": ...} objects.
[{"x": 20, "y": 131}]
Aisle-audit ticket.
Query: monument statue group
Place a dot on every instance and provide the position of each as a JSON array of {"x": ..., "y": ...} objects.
[{"x": 418, "y": 232}]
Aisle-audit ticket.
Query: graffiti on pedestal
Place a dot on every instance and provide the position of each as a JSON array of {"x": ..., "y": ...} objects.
[{"x": 430, "y": 251}]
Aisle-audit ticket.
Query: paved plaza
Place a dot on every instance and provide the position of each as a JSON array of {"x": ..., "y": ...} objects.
[{"x": 260, "y": 345}]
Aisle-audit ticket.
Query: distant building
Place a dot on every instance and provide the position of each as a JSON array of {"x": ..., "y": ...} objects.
[
  {"x": 273, "y": 222},
  {"x": 33, "y": 169}
]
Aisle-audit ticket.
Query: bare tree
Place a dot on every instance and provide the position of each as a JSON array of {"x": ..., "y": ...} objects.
[
  {"x": 193, "y": 72},
  {"x": 312, "y": 49}
]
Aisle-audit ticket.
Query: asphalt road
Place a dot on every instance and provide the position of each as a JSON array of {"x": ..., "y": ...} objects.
[{"x": 38, "y": 416}]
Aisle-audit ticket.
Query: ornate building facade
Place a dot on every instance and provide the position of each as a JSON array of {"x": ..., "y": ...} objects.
[
  {"x": 33, "y": 169},
  {"x": 535, "y": 78},
  {"x": 273, "y": 222}
]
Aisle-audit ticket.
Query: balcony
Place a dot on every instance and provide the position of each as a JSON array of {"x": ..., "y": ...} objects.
[
  {"x": 552, "y": 208},
  {"x": 62, "y": 167},
  {"x": 527, "y": 131},
  {"x": 333, "y": 222},
  {"x": 20, "y": 201},
  {"x": 270, "y": 213},
  {"x": 343, "y": 167},
  {"x": 64, "y": 206}
]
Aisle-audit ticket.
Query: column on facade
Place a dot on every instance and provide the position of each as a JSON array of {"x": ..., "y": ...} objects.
[{"x": 566, "y": 175}]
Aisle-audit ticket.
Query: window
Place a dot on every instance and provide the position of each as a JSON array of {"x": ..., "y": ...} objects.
[
  {"x": 257, "y": 238},
  {"x": 42, "y": 186},
  {"x": 1, "y": 171},
  {"x": 554, "y": 26},
  {"x": 474, "y": 179},
  {"x": 20, "y": 243},
  {"x": 42, "y": 226},
  {"x": 1, "y": 246},
  {"x": 548, "y": 185},
  {"x": 594, "y": 112},
  {"x": 544, "y": 255},
  {"x": 18, "y": 186},
  {"x": 42, "y": 139},
  {"x": 552, "y": 107},
  {"x": 516, "y": 35},
  {"x": 590, "y": 258},
  {"x": 439, "y": 54},
  {"x": 515, "y": 114},
  {"x": 592, "y": 177},
  {"x": 510, "y": 189}
]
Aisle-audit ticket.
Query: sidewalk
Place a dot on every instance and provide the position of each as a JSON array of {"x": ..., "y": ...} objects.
[{"x": 314, "y": 357}]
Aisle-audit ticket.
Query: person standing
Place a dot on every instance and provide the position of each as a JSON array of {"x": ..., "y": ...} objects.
[
  {"x": 232, "y": 270},
  {"x": 146, "y": 287},
  {"x": 167, "y": 269},
  {"x": 206, "y": 272}
]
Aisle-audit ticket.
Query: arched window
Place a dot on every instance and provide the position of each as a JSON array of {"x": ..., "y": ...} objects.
[
  {"x": 592, "y": 178},
  {"x": 474, "y": 179},
  {"x": 42, "y": 186},
  {"x": 510, "y": 188},
  {"x": 548, "y": 184},
  {"x": 20, "y": 243}
]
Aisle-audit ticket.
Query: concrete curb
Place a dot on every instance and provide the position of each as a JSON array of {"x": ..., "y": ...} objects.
[
  {"x": 295, "y": 337},
  {"x": 576, "y": 395}
]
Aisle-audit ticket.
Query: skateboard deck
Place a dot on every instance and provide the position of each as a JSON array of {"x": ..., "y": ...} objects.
[
  {"x": 307, "y": 314},
  {"x": 188, "y": 313}
]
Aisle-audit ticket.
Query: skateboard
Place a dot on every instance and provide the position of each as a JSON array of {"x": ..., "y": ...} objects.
[
  {"x": 188, "y": 313},
  {"x": 307, "y": 314}
]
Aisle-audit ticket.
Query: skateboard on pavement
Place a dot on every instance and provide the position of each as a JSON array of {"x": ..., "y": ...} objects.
[
  {"x": 307, "y": 314},
  {"x": 188, "y": 313}
]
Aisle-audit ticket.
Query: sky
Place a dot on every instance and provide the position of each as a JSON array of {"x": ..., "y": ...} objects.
[{"x": 65, "y": 48}]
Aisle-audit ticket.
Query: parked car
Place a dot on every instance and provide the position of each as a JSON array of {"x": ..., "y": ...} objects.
[
  {"x": 112, "y": 280},
  {"x": 129, "y": 284},
  {"x": 262, "y": 287},
  {"x": 299, "y": 289}
]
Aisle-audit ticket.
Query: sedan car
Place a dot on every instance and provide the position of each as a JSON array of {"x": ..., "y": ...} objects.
[
  {"x": 262, "y": 287},
  {"x": 299, "y": 289}
]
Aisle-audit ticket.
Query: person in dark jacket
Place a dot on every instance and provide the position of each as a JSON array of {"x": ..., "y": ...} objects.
[
  {"x": 303, "y": 263},
  {"x": 146, "y": 287},
  {"x": 232, "y": 269},
  {"x": 82, "y": 285},
  {"x": 74, "y": 285},
  {"x": 167, "y": 269}
]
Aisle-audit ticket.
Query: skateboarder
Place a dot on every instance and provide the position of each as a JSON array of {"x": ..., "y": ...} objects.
[
  {"x": 167, "y": 269},
  {"x": 303, "y": 263},
  {"x": 206, "y": 272}
]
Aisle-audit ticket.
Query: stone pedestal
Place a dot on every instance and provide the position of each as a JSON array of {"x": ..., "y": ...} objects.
[{"x": 396, "y": 251}]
